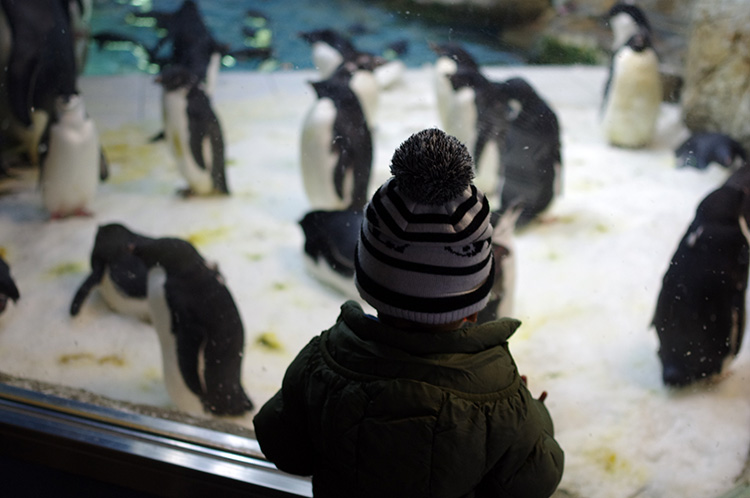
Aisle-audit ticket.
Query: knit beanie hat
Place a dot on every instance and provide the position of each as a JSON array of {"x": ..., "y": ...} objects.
[{"x": 424, "y": 250}]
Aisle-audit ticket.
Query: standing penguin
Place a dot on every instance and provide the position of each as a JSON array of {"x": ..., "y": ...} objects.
[
  {"x": 193, "y": 132},
  {"x": 8, "y": 289},
  {"x": 626, "y": 19},
  {"x": 632, "y": 95},
  {"x": 700, "y": 312},
  {"x": 456, "y": 107},
  {"x": 199, "y": 328},
  {"x": 330, "y": 242},
  {"x": 120, "y": 275},
  {"x": 336, "y": 146},
  {"x": 491, "y": 126},
  {"x": 73, "y": 163},
  {"x": 531, "y": 154},
  {"x": 702, "y": 149}
]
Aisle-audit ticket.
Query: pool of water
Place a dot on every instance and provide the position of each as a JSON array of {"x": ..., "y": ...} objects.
[{"x": 371, "y": 26}]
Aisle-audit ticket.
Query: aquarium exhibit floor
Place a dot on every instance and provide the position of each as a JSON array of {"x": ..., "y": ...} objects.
[{"x": 587, "y": 275}]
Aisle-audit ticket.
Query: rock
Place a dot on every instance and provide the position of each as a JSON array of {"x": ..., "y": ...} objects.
[{"x": 716, "y": 93}]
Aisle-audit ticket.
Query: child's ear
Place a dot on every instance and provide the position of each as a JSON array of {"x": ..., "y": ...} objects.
[{"x": 472, "y": 318}]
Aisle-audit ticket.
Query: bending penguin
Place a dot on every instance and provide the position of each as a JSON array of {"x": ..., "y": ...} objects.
[
  {"x": 336, "y": 146},
  {"x": 490, "y": 127},
  {"x": 119, "y": 274},
  {"x": 531, "y": 154},
  {"x": 704, "y": 148},
  {"x": 199, "y": 328},
  {"x": 700, "y": 311},
  {"x": 632, "y": 95},
  {"x": 330, "y": 242},
  {"x": 193, "y": 132},
  {"x": 73, "y": 163}
]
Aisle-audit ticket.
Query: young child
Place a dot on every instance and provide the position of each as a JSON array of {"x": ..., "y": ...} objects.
[{"x": 418, "y": 401}]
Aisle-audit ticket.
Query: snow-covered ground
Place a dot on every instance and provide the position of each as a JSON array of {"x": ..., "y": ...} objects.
[{"x": 587, "y": 277}]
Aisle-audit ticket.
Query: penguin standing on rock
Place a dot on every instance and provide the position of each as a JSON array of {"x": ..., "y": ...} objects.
[
  {"x": 700, "y": 312},
  {"x": 632, "y": 95},
  {"x": 73, "y": 163},
  {"x": 531, "y": 154},
  {"x": 336, "y": 146},
  {"x": 330, "y": 242},
  {"x": 193, "y": 132},
  {"x": 119, "y": 274},
  {"x": 199, "y": 328},
  {"x": 702, "y": 149}
]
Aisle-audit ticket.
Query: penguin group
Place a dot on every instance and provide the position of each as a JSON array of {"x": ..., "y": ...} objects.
[{"x": 511, "y": 131}]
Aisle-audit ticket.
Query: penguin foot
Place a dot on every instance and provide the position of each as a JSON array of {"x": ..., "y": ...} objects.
[{"x": 59, "y": 215}]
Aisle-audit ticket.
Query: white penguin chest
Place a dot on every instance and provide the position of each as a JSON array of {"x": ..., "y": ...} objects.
[
  {"x": 121, "y": 303},
  {"x": 633, "y": 100},
  {"x": 177, "y": 133},
  {"x": 70, "y": 171},
  {"x": 161, "y": 318},
  {"x": 317, "y": 158}
]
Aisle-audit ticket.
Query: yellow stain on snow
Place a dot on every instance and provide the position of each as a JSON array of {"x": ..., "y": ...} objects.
[
  {"x": 269, "y": 341},
  {"x": 67, "y": 268},
  {"x": 91, "y": 359},
  {"x": 131, "y": 154},
  {"x": 209, "y": 235}
]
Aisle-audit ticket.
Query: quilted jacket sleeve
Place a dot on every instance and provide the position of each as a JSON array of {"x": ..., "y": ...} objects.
[
  {"x": 281, "y": 424},
  {"x": 539, "y": 474}
]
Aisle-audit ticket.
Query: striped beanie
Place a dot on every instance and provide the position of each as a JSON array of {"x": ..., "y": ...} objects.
[{"x": 424, "y": 250}]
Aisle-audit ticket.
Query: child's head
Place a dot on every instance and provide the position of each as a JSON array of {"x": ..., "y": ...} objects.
[{"x": 424, "y": 251}]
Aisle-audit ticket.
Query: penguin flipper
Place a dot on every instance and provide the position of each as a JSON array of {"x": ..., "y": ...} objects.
[
  {"x": 97, "y": 273},
  {"x": 103, "y": 165},
  {"x": 189, "y": 342},
  {"x": 342, "y": 164},
  {"x": 224, "y": 394},
  {"x": 218, "y": 174},
  {"x": 21, "y": 82}
]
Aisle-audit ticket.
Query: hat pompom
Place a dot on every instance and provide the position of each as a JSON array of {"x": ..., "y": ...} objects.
[{"x": 432, "y": 167}]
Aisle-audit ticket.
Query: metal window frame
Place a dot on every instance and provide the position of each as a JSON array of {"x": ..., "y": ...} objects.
[{"x": 143, "y": 453}]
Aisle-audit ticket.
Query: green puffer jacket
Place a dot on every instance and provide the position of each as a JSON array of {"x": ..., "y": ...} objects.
[{"x": 373, "y": 411}]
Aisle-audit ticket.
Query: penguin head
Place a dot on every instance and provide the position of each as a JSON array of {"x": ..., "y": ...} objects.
[
  {"x": 70, "y": 107},
  {"x": 456, "y": 53},
  {"x": 639, "y": 42},
  {"x": 464, "y": 78},
  {"x": 175, "y": 255},
  {"x": 625, "y": 20},
  {"x": 8, "y": 289},
  {"x": 332, "y": 38}
]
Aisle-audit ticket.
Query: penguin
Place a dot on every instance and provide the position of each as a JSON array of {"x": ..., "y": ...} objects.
[
  {"x": 456, "y": 107},
  {"x": 702, "y": 149},
  {"x": 41, "y": 66},
  {"x": 700, "y": 311},
  {"x": 193, "y": 132},
  {"x": 120, "y": 276},
  {"x": 78, "y": 13},
  {"x": 531, "y": 153},
  {"x": 625, "y": 20},
  {"x": 331, "y": 49},
  {"x": 491, "y": 125},
  {"x": 330, "y": 242},
  {"x": 336, "y": 148},
  {"x": 73, "y": 163},
  {"x": 632, "y": 95},
  {"x": 8, "y": 289},
  {"x": 502, "y": 294},
  {"x": 199, "y": 327}
]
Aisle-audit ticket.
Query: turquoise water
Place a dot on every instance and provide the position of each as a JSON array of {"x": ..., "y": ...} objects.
[{"x": 285, "y": 19}]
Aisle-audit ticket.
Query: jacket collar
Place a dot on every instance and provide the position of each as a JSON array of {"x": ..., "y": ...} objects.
[{"x": 469, "y": 338}]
